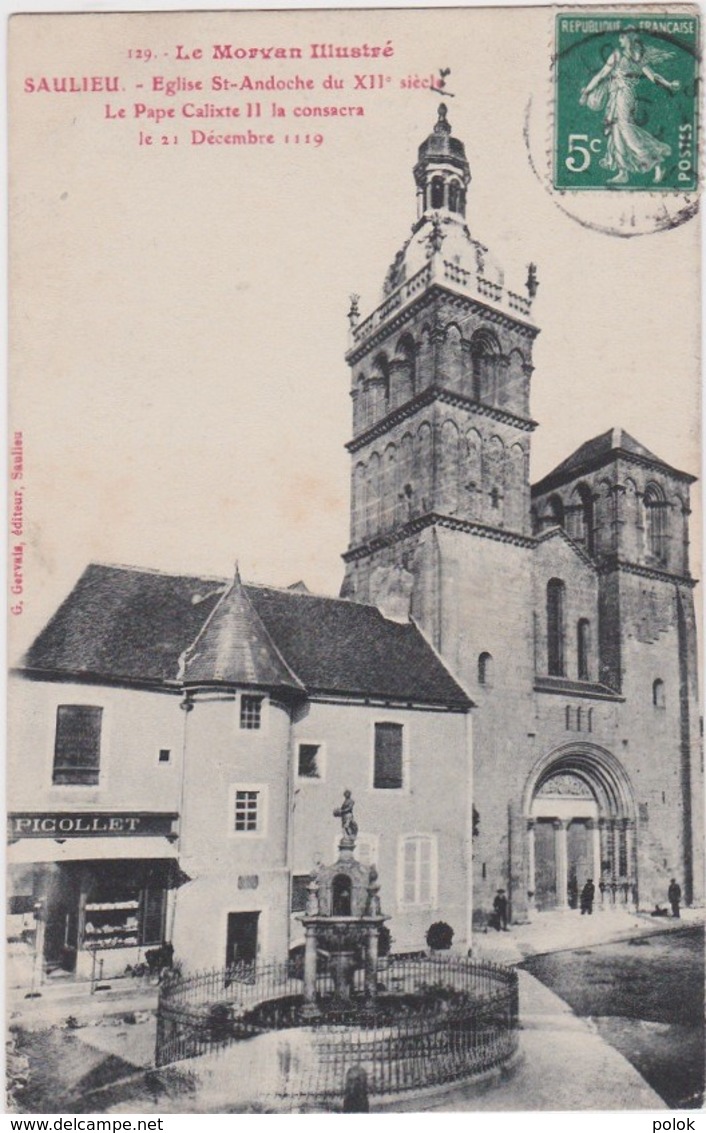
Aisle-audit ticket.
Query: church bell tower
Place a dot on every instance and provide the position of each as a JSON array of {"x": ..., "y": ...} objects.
[{"x": 440, "y": 379}]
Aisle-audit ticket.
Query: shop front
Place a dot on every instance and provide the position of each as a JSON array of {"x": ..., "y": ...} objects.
[{"x": 88, "y": 892}]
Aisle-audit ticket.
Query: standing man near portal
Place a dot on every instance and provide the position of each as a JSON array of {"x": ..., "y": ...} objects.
[
  {"x": 674, "y": 895},
  {"x": 500, "y": 909}
]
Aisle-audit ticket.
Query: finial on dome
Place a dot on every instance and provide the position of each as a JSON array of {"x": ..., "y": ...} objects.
[{"x": 442, "y": 125}]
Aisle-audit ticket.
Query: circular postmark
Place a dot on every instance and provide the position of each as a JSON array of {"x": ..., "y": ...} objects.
[{"x": 614, "y": 140}]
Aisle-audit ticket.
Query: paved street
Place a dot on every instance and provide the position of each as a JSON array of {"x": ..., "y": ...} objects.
[{"x": 645, "y": 996}]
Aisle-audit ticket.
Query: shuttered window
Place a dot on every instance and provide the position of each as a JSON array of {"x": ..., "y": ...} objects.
[
  {"x": 77, "y": 744},
  {"x": 388, "y": 757},
  {"x": 418, "y": 871}
]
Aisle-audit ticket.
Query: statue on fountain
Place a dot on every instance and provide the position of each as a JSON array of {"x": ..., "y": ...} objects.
[
  {"x": 345, "y": 813},
  {"x": 343, "y": 919}
]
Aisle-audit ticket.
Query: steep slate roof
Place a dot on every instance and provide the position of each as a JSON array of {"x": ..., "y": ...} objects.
[
  {"x": 235, "y": 648},
  {"x": 125, "y": 624},
  {"x": 600, "y": 450}
]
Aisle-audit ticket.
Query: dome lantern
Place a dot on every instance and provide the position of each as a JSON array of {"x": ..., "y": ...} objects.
[{"x": 442, "y": 173}]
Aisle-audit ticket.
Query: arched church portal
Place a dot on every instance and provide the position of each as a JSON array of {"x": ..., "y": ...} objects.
[{"x": 580, "y": 825}]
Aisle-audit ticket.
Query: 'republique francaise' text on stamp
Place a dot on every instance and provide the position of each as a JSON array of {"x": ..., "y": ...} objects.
[{"x": 626, "y": 101}]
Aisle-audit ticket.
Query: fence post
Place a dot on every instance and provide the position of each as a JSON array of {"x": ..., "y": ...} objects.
[{"x": 355, "y": 1097}]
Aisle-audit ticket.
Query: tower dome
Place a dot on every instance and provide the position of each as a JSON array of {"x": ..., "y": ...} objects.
[{"x": 442, "y": 172}]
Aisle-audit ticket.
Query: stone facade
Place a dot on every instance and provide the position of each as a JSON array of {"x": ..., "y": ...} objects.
[{"x": 565, "y": 608}]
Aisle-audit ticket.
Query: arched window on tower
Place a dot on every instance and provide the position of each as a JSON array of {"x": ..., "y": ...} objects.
[
  {"x": 555, "y": 627},
  {"x": 583, "y": 643},
  {"x": 485, "y": 669},
  {"x": 454, "y": 196},
  {"x": 381, "y": 375},
  {"x": 485, "y": 350},
  {"x": 407, "y": 353},
  {"x": 656, "y": 523},
  {"x": 581, "y": 523},
  {"x": 658, "y": 697},
  {"x": 437, "y": 192}
]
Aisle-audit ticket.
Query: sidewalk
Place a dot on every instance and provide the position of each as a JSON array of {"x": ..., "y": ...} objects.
[{"x": 557, "y": 930}]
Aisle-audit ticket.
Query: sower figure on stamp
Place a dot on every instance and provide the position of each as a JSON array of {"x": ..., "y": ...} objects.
[
  {"x": 500, "y": 910},
  {"x": 674, "y": 895},
  {"x": 588, "y": 894},
  {"x": 629, "y": 148}
]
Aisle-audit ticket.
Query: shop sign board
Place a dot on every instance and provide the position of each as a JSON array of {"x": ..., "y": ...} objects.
[{"x": 88, "y": 824}]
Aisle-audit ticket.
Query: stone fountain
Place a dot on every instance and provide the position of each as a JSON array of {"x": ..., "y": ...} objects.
[{"x": 342, "y": 918}]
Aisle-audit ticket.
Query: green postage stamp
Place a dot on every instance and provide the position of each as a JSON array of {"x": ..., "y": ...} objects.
[{"x": 626, "y": 101}]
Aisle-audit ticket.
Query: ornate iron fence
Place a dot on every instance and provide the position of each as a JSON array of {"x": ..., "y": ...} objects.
[{"x": 436, "y": 1020}]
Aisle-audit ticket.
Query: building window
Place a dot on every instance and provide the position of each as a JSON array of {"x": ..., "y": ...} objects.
[
  {"x": 555, "y": 627},
  {"x": 300, "y": 891},
  {"x": 387, "y": 773},
  {"x": 310, "y": 761},
  {"x": 418, "y": 872},
  {"x": 77, "y": 744},
  {"x": 126, "y": 905},
  {"x": 251, "y": 712},
  {"x": 248, "y": 817},
  {"x": 583, "y": 643},
  {"x": 485, "y": 669},
  {"x": 165, "y": 755},
  {"x": 658, "y": 698},
  {"x": 656, "y": 516}
]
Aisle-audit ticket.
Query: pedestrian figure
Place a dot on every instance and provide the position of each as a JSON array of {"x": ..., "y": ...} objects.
[
  {"x": 355, "y": 1099},
  {"x": 588, "y": 894},
  {"x": 674, "y": 895},
  {"x": 500, "y": 909}
]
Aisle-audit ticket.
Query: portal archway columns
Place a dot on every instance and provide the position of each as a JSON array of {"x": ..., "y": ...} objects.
[
  {"x": 531, "y": 863},
  {"x": 594, "y": 828},
  {"x": 561, "y": 826}
]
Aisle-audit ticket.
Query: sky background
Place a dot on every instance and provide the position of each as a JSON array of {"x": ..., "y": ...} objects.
[{"x": 178, "y": 314}]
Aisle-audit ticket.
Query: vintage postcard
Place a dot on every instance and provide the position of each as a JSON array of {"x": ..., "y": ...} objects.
[{"x": 354, "y": 526}]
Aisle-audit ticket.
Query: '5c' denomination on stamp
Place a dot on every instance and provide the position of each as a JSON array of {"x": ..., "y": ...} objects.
[{"x": 626, "y": 101}]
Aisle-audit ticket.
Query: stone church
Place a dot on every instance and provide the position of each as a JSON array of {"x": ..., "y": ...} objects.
[{"x": 565, "y": 607}]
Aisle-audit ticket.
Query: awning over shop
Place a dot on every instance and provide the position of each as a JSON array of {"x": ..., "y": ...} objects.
[{"x": 28, "y": 850}]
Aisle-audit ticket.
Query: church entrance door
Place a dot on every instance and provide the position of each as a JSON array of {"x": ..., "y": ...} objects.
[
  {"x": 579, "y": 851},
  {"x": 580, "y": 825}
]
